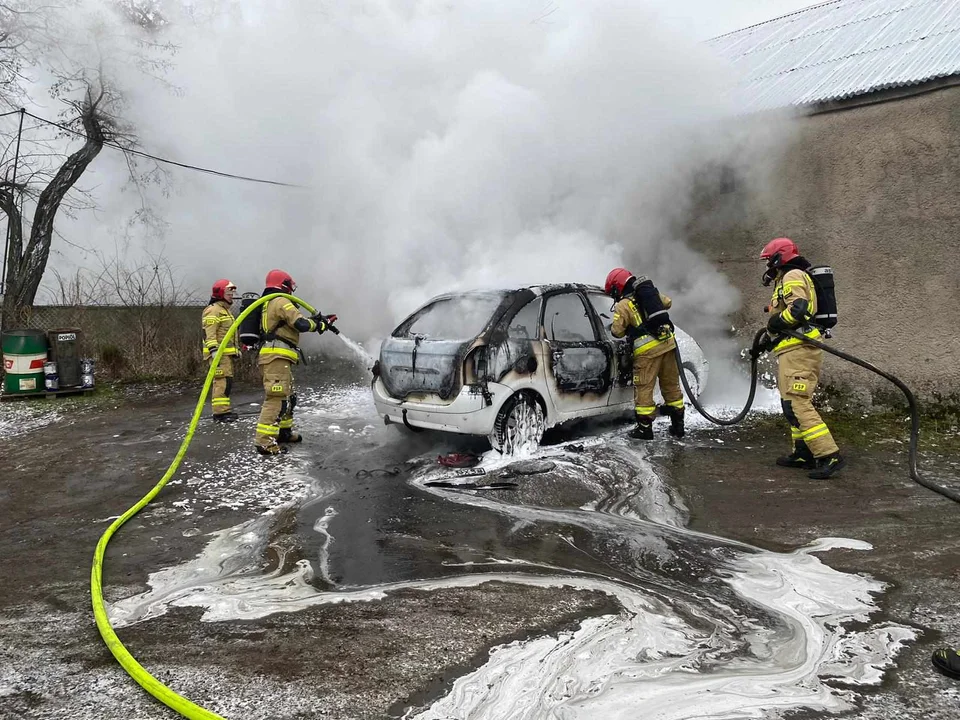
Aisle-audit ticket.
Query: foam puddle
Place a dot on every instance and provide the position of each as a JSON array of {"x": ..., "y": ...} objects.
[
  {"x": 648, "y": 657},
  {"x": 709, "y": 628}
]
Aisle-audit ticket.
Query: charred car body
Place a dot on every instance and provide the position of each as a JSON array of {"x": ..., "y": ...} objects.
[{"x": 509, "y": 364}]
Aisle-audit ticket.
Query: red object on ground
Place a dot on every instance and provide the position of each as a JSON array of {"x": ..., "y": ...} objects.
[{"x": 458, "y": 460}]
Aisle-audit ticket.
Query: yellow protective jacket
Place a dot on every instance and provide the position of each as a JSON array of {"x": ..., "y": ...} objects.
[
  {"x": 627, "y": 315},
  {"x": 278, "y": 320},
  {"x": 215, "y": 321},
  {"x": 790, "y": 286}
]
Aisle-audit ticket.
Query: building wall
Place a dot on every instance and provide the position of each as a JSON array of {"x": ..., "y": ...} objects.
[{"x": 873, "y": 191}]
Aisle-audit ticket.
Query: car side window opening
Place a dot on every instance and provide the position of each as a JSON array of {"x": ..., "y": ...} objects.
[
  {"x": 603, "y": 304},
  {"x": 566, "y": 319},
  {"x": 526, "y": 323}
]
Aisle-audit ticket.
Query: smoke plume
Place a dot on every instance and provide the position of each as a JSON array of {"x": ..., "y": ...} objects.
[{"x": 440, "y": 146}]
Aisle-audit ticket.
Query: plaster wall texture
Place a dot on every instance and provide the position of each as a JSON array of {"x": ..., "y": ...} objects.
[{"x": 873, "y": 191}]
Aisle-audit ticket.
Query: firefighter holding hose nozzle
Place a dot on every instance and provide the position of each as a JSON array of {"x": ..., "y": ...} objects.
[
  {"x": 794, "y": 307},
  {"x": 280, "y": 326},
  {"x": 640, "y": 314}
]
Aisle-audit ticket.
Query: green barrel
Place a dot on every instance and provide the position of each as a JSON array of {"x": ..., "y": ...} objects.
[{"x": 24, "y": 352}]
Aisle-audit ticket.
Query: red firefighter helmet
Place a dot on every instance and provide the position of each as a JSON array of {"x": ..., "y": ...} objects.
[
  {"x": 220, "y": 288},
  {"x": 779, "y": 251},
  {"x": 617, "y": 281},
  {"x": 280, "y": 280}
]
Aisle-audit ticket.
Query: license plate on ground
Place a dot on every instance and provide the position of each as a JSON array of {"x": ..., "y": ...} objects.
[{"x": 465, "y": 472}]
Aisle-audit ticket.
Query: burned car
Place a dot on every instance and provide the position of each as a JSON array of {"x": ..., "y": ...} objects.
[{"x": 511, "y": 363}]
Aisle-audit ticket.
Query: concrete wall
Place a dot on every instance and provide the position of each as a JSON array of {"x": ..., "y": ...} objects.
[{"x": 873, "y": 191}]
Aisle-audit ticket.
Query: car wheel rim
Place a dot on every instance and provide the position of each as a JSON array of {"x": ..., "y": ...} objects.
[{"x": 524, "y": 428}]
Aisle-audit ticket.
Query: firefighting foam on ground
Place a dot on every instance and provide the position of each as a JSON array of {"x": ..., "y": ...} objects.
[{"x": 449, "y": 461}]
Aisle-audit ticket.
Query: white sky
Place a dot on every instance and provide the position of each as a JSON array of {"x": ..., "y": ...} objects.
[
  {"x": 438, "y": 150},
  {"x": 706, "y": 20}
]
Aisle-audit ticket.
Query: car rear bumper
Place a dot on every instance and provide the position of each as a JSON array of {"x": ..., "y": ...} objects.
[{"x": 468, "y": 413}]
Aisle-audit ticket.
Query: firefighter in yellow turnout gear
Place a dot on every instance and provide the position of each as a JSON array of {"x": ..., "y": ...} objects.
[
  {"x": 641, "y": 315},
  {"x": 216, "y": 320},
  {"x": 281, "y": 325},
  {"x": 792, "y": 306}
]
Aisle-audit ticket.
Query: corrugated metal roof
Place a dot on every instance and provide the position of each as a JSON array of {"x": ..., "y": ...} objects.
[{"x": 844, "y": 48}]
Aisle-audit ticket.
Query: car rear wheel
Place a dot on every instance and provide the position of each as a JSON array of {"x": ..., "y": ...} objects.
[{"x": 519, "y": 426}]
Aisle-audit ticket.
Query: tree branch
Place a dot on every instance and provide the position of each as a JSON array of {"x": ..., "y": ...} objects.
[
  {"x": 34, "y": 260},
  {"x": 8, "y": 205}
]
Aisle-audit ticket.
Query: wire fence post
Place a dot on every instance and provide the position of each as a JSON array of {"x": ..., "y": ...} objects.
[{"x": 13, "y": 187}]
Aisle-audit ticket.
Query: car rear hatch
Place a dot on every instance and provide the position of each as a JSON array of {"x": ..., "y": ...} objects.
[{"x": 425, "y": 353}]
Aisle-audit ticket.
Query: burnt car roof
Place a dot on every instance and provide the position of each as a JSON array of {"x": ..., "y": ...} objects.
[
  {"x": 554, "y": 287},
  {"x": 536, "y": 289}
]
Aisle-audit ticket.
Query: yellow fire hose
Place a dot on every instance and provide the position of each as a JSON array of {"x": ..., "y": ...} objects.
[{"x": 149, "y": 683}]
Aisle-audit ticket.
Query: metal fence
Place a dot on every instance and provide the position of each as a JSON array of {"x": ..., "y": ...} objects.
[{"x": 130, "y": 343}]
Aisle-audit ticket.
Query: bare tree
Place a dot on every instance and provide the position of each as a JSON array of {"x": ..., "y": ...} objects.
[
  {"x": 40, "y": 178},
  {"x": 115, "y": 280},
  {"x": 136, "y": 313}
]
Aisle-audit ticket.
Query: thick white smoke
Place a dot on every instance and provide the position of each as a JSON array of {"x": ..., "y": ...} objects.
[{"x": 441, "y": 145}]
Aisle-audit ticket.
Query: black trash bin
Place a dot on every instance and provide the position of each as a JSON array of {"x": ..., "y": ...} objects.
[{"x": 65, "y": 349}]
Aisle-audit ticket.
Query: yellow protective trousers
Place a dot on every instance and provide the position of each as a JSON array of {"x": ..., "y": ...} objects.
[
  {"x": 798, "y": 372},
  {"x": 277, "y": 412},
  {"x": 646, "y": 371},
  {"x": 222, "y": 382}
]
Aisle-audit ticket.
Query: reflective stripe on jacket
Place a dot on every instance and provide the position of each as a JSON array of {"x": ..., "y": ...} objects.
[
  {"x": 215, "y": 321},
  {"x": 627, "y": 315},
  {"x": 792, "y": 285},
  {"x": 277, "y": 319}
]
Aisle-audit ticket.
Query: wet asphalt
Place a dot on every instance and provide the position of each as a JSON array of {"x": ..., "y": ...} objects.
[{"x": 352, "y": 504}]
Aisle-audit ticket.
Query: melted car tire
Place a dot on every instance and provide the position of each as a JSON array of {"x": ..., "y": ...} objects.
[{"x": 500, "y": 438}]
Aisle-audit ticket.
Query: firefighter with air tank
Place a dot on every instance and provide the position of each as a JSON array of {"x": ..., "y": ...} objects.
[
  {"x": 215, "y": 321},
  {"x": 794, "y": 307},
  {"x": 640, "y": 314},
  {"x": 279, "y": 335}
]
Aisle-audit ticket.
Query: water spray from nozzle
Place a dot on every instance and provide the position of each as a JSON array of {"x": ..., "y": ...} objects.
[{"x": 358, "y": 350}]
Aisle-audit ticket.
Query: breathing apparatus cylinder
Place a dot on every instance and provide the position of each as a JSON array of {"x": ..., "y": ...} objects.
[
  {"x": 249, "y": 331},
  {"x": 823, "y": 285},
  {"x": 652, "y": 310}
]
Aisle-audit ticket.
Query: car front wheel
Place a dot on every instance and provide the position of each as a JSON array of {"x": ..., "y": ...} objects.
[{"x": 519, "y": 426}]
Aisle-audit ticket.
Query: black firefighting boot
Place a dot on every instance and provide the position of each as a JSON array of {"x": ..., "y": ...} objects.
[
  {"x": 827, "y": 466},
  {"x": 287, "y": 435},
  {"x": 676, "y": 421},
  {"x": 947, "y": 661},
  {"x": 227, "y": 417},
  {"x": 272, "y": 449},
  {"x": 801, "y": 457},
  {"x": 643, "y": 430}
]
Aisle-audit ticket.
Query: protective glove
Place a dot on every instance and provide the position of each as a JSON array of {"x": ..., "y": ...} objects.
[
  {"x": 794, "y": 316},
  {"x": 764, "y": 345},
  {"x": 325, "y": 322},
  {"x": 329, "y": 321},
  {"x": 776, "y": 324}
]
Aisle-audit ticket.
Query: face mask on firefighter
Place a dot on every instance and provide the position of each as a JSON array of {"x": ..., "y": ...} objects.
[{"x": 773, "y": 263}]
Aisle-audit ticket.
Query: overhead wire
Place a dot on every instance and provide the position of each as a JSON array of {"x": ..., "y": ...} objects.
[{"x": 157, "y": 158}]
